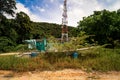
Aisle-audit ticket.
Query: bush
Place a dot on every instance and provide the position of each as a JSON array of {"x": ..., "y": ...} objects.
[
  {"x": 21, "y": 47},
  {"x": 108, "y": 46},
  {"x": 117, "y": 43},
  {"x": 72, "y": 45},
  {"x": 6, "y": 44}
]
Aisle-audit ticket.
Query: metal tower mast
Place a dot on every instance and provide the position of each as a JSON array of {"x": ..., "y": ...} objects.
[{"x": 64, "y": 36}]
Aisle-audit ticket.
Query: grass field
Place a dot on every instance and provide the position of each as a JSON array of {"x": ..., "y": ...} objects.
[{"x": 97, "y": 59}]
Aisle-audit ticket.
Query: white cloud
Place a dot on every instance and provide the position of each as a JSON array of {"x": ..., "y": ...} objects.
[
  {"x": 52, "y": 1},
  {"x": 21, "y": 7},
  {"x": 115, "y": 6},
  {"x": 80, "y": 8},
  {"x": 40, "y": 9},
  {"x": 76, "y": 10}
]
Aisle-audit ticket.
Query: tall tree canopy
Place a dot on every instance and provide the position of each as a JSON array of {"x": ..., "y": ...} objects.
[
  {"x": 23, "y": 26},
  {"x": 7, "y": 6}
]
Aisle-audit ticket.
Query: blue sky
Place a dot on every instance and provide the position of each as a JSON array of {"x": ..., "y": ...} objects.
[{"x": 51, "y": 10}]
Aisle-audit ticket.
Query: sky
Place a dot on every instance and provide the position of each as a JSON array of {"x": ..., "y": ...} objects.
[{"x": 51, "y": 10}]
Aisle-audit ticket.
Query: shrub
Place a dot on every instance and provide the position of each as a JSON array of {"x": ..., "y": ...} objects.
[
  {"x": 21, "y": 47},
  {"x": 108, "y": 46},
  {"x": 117, "y": 43},
  {"x": 6, "y": 44}
]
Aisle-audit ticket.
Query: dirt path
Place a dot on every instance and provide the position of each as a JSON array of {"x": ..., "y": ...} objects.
[
  {"x": 67, "y": 74},
  {"x": 5, "y": 54}
]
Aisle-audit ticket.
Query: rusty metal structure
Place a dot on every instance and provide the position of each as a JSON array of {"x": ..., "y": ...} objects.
[{"x": 64, "y": 34}]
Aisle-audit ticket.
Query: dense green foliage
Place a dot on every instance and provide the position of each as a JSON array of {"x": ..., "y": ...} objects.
[
  {"x": 7, "y": 6},
  {"x": 104, "y": 26},
  {"x": 14, "y": 31},
  {"x": 99, "y": 59}
]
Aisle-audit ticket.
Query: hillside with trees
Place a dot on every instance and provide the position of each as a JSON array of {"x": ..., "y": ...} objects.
[{"x": 14, "y": 31}]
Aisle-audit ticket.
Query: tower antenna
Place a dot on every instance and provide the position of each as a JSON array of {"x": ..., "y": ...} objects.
[{"x": 64, "y": 37}]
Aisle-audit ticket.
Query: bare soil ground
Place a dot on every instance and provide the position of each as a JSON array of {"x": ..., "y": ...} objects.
[{"x": 67, "y": 74}]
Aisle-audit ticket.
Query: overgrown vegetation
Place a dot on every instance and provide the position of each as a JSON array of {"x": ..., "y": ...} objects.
[
  {"x": 73, "y": 44},
  {"x": 99, "y": 59}
]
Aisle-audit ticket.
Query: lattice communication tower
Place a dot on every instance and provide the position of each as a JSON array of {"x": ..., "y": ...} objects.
[{"x": 64, "y": 36}]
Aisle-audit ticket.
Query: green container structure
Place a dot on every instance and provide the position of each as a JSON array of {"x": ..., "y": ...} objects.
[{"x": 41, "y": 46}]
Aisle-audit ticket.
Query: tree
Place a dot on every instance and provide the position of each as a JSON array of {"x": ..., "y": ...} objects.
[
  {"x": 7, "y": 6},
  {"x": 23, "y": 26},
  {"x": 104, "y": 25},
  {"x": 6, "y": 44}
]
